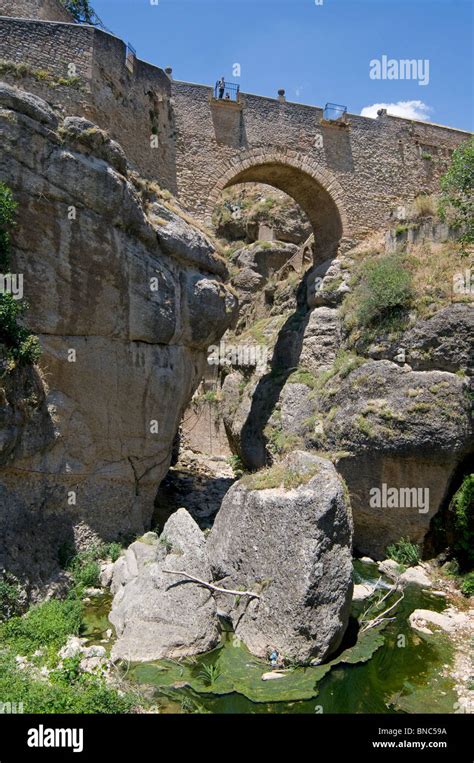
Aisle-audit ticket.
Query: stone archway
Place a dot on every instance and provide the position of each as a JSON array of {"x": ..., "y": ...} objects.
[{"x": 314, "y": 188}]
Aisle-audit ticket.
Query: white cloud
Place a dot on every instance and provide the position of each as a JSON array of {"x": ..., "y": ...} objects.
[{"x": 407, "y": 109}]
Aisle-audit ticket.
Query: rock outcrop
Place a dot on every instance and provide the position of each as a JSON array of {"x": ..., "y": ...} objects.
[
  {"x": 284, "y": 534},
  {"x": 407, "y": 430},
  {"x": 125, "y": 296},
  {"x": 292, "y": 542},
  {"x": 443, "y": 342},
  {"x": 156, "y": 614},
  {"x": 248, "y": 211},
  {"x": 393, "y": 412}
]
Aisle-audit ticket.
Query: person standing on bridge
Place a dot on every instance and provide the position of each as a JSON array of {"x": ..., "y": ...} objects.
[{"x": 221, "y": 86}]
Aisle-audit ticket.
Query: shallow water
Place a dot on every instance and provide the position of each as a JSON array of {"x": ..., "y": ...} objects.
[{"x": 407, "y": 673}]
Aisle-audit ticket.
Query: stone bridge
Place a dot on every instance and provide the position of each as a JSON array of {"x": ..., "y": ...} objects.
[{"x": 348, "y": 177}]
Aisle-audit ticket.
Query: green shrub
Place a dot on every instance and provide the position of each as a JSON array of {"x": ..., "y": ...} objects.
[
  {"x": 462, "y": 508},
  {"x": 10, "y": 602},
  {"x": 22, "y": 346},
  {"x": 235, "y": 462},
  {"x": 68, "y": 692},
  {"x": 7, "y": 214},
  {"x": 467, "y": 585},
  {"x": 81, "y": 10},
  {"x": 457, "y": 186},
  {"x": 112, "y": 551},
  {"x": 404, "y": 552},
  {"x": 279, "y": 475},
  {"x": 384, "y": 293},
  {"x": 84, "y": 566},
  {"x": 87, "y": 575},
  {"x": 44, "y": 625}
]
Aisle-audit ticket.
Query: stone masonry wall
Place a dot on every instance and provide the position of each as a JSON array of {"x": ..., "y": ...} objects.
[
  {"x": 369, "y": 167},
  {"x": 132, "y": 106},
  {"x": 46, "y": 10},
  {"x": 347, "y": 179}
]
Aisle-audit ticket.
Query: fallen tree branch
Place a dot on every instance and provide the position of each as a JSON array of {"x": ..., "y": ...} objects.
[
  {"x": 212, "y": 587},
  {"x": 367, "y": 624}
]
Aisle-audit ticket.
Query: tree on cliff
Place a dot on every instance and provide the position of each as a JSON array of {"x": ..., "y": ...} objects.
[
  {"x": 81, "y": 10},
  {"x": 458, "y": 190},
  {"x": 17, "y": 345}
]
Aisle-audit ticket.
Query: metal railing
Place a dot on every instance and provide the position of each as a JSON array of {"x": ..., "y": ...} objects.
[
  {"x": 130, "y": 57},
  {"x": 226, "y": 91},
  {"x": 334, "y": 112}
]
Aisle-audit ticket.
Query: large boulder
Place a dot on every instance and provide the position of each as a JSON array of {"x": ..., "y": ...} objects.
[
  {"x": 443, "y": 342},
  {"x": 402, "y": 430},
  {"x": 287, "y": 534},
  {"x": 157, "y": 615}
]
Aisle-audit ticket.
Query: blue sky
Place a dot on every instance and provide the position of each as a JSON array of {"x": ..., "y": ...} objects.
[{"x": 318, "y": 53}]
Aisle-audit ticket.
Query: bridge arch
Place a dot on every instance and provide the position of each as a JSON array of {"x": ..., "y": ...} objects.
[{"x": 314, "y": 188}]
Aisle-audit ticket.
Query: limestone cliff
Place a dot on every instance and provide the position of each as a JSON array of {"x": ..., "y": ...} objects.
[
  {"x": 125, "y": 296},
  {"x": 392, "y": 409}
]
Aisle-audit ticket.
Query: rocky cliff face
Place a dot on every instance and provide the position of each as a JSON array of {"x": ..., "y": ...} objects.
[
  {"x": 253, "y": 211},
  {"x": 394, "y": 411},
  {"x": 125, "y": 296}
]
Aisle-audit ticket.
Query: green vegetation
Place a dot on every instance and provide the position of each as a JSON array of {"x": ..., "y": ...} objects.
[
  {"x": 84, "y": 566},
  {"x": 404, "y": 552},
  {"x": 467, "y": 585},
  {"x": 43, "y": 682},
  {"x": 10, "y": 598},
  {"x": 280, "y": 475},
  {"x": 302, "y": 376},
  {"x": 279, "y": 441},
  {"x": 236, "y": 464},
  {"x": 462, "y": 509},
  {"x": 22, "y": 348},
  {"x": 457, "y": 185},
  {"x": 364, "y": 426},
  {"x": 44, "y": 625},
  {"x": 343, "y": 365},
  {"x": 212, "y": 397},
  {"x": 402, "y": 228},
  {"x": 210, "y": 673},
  {"x": 8, "y": 208},
  {"x": 40, "y": 75},
  {"x": 68, "y": 690},
  {"x": 384, "y": 293},
  {"x": 81, "y": 10}
]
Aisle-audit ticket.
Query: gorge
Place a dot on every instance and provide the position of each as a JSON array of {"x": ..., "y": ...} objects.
[{"x": 250, "y": 343}]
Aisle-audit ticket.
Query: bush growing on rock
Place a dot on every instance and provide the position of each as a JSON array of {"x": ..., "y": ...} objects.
[
  {"x": 84, "y": 566},
  {"x": 467, "y": 585},
  {"x": 66, "y": 693},
  {"x": 7, "y": 212},
  {"x": 21, "y": 346},
  {"x": 10, "y": 599},
  {"x": 45, "y": 625},
  {"x": 462, "y": 508},
  {"x": 458, "y": 191},
  {"x": 385, "y": 292},
  {"x": 404, "y": 552},
  {"x": 81, "y": 10}
]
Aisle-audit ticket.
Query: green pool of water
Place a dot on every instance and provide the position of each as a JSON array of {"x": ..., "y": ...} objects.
[{"x": 395, "y": 670}]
